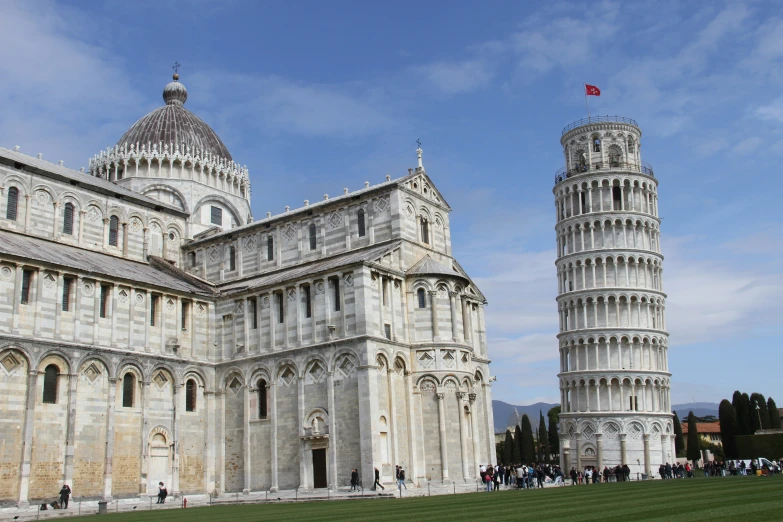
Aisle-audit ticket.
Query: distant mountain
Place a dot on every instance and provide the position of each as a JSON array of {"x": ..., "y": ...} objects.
[
  {"x": 700, "y": 409},
  {"x": 505, "y": 417}
]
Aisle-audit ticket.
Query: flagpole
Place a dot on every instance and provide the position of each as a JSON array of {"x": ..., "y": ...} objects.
[{"x": 587, "y": 106}]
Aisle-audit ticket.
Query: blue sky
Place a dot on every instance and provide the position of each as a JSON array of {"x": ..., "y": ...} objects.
[{"x": 317, "y": 96}]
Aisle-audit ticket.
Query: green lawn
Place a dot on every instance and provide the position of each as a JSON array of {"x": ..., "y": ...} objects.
[{"x": 737, "y": 498}]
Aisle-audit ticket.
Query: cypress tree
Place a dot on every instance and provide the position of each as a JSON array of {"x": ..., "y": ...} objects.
[
  {"x": 508, "y": 448},
  {"x": 774, "y": 414},
  {"x": 543, "y": 438},
  {"x": 759, "y": 416},
  {"x": 554, "y": 439},
  {"x": 743, "y": 421},
  {"x": 746, "y": 407},
  {"x": 679, "y": 443},
  {"x": 518, "y": 443},
  {"x": 527, "y": 448},
  {"x": 728, "y": 428},
  {"x": 756, "y": 415},
  {"x": 694, "y": 450}
]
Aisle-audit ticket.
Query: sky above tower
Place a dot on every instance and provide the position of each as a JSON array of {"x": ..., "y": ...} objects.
[{"x": 317, "y": 96}]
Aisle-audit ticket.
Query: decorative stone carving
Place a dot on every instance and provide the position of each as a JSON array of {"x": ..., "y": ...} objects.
[
  {"x": 6, "y": 273},
  {"x": 336, "y": 220},
  {"x": 88, "y": 288}
]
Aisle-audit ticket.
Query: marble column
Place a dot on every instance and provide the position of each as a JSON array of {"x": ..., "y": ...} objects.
[
  {"x": 453, "y": 306},
  {"x": 463, "y": 435},
  {"x": 273, "y": 422},
  {"x": 332, "y": 430},
  {"x": 109, "y": 455},
  {"x": 647, "y": 462},
  {"x": 27, "y": 434},
  {"x": 623, "y": 449},
  {"x": 70, "y": 429},
  {"x": 246, "y": 442},
  {"x": 434, "y": 308},
  {"x": 599, "y": 444},
  {"x": 444, "y": 453}
]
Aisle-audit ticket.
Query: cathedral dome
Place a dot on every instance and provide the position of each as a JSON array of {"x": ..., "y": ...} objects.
[{"x": 174, "y": 125}]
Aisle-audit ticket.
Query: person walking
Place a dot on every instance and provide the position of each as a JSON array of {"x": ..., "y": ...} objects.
[
  {"x": 377, "y": 480},
  {"x": 162, "y": 493},
  {"x": 401, "y": 479},
  {"x": 354, "y": 479},
  {"x": 490, "y": 477},
  {"x": 573, "y": 476},
  {"x": 65, "y": 494}
]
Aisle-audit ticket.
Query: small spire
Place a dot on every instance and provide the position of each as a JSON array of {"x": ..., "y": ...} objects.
[
  {"x": 419, "y": 165},
  {"x": 175, "y": 67}
]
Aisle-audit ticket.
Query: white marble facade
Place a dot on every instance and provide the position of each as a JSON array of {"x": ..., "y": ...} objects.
[
  {"x": 146, "y": 336},
  {"x": 614, "y": 375}
]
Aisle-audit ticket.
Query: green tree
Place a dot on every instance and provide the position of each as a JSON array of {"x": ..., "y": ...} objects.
[
  {"x": 728, "y": 428},
  {"x": 553, "y": 415},
  {"x": 679, "y": 443},
  {"x": 527, "y": 447},
  {"x": 736, "y": 401},
  {"x": 508, "y": 448},
  {"x": 694, "y": 452},
  {"x": 518, "y": 443},
  {"x": 499, "y": 450},
  {"x": 543, "y": 439},
  {"x": 774, "y": 414},
  {"x": 746, "y": 407},
  {"x": 759, "y": 414}
]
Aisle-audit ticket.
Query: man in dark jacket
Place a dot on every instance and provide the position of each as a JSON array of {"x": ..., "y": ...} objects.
[
  {"x": 65, "y": 494},
  {"x": 377, "y": 480},
  {"x": 354, "y": 479}
]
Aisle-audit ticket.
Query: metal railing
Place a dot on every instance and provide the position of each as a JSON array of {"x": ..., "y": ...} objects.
[
  {"x": 564, "y": 173},
  {"x": 599, "y": 119}
]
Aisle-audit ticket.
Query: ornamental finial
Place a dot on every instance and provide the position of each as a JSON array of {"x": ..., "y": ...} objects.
[
  {"x": 418, "y": 155},
  {"x": 175, "y": 67}
]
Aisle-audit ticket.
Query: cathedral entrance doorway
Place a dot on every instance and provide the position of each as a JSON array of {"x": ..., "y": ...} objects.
[
  {"x": 319, "y": 468},
  {"x": 160, "y": 461}
]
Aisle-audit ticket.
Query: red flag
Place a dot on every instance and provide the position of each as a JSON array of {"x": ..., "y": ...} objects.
[{"x": 592, "y": 90}]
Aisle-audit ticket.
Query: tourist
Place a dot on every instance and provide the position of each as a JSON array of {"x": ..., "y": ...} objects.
[
  {"x": 667, "y": 469},
  {"x": 662, "y": 471},
  {"x": 574, "y": 476},
  {"x": 496, "y": 479},
  {"x": 588, "y": 475},
  {"x": 401, "y": 479},
  {"x": 626, "y": 472},
  {"x": 520, "y": 477},
  {"x": 162, "y": 493},
  {"x": 489, "y": 477},
  {"x": 65, "y": 494},
  {"x": 354, "y": 479},
  {"x": 377, "y": 480}
]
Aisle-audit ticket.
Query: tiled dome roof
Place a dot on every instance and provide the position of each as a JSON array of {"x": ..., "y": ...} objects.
[{"x": 174, "y": 125}]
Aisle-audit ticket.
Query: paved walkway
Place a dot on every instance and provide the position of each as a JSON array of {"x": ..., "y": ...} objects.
[{"x": 90, "y": 507}]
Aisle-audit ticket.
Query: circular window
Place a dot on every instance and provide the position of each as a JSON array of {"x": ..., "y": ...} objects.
[{"x": 171, "y": 236}]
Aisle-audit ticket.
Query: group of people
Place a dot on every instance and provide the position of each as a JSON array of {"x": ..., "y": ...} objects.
[
  {"x": 399, "y": 476},
  {"x": 592, "y": 475},
  {"x": 520, "y": 475},
  {"x": 674, "y": 471}
]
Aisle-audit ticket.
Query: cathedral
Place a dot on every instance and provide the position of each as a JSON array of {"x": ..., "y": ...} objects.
[{"x": 152, "y": 331}]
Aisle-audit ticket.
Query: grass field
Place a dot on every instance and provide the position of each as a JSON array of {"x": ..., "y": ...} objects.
[{"x": 737, "y": 498}]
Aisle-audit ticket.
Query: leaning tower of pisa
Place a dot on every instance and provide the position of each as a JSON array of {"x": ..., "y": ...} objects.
[{"x": 614, "y": 375}]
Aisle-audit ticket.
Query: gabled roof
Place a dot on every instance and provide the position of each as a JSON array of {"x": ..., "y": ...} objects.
[
  {"x": 428, "y": 266},
  {"x": 95, "y": 263},
  {"x": 365, "y": 255},
  {"x": 83, "y": 180},
  {"x": 703, "y": 427}
]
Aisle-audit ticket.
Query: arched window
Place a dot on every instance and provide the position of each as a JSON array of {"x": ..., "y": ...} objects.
[
  {"x": 615, "y": 155},
  {"x": 596, "y": 144},
  {"x": 421, "y": 294},
  {"x": 360, "y": 217},
  {"x": 68, "y": 219},
  {"x": 51, "y": 378},
  {"x": 232, "y": 258},
  {"x": 190, "y": 395},
  {"x": 192, "y": 259},
  {"x": 270, "y": 248},
  {"x": 262, "y": 400},
  {"x": 313, "y": 241},
  {"x": 128, "y": 386},
  {"x": 13, "y": 204},
  {"x": 114, "y": 225},
  {"x": 425, "y": 232}
]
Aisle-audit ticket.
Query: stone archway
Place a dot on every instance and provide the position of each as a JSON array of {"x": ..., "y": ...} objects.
[{"x": 159, "y": 469}]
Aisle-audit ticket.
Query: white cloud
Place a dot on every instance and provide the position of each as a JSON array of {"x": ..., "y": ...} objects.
[
  {"x": 458, "y": 77},
  {"x": 747, "y": 145},
  {"x": 772, "y": 111}
]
